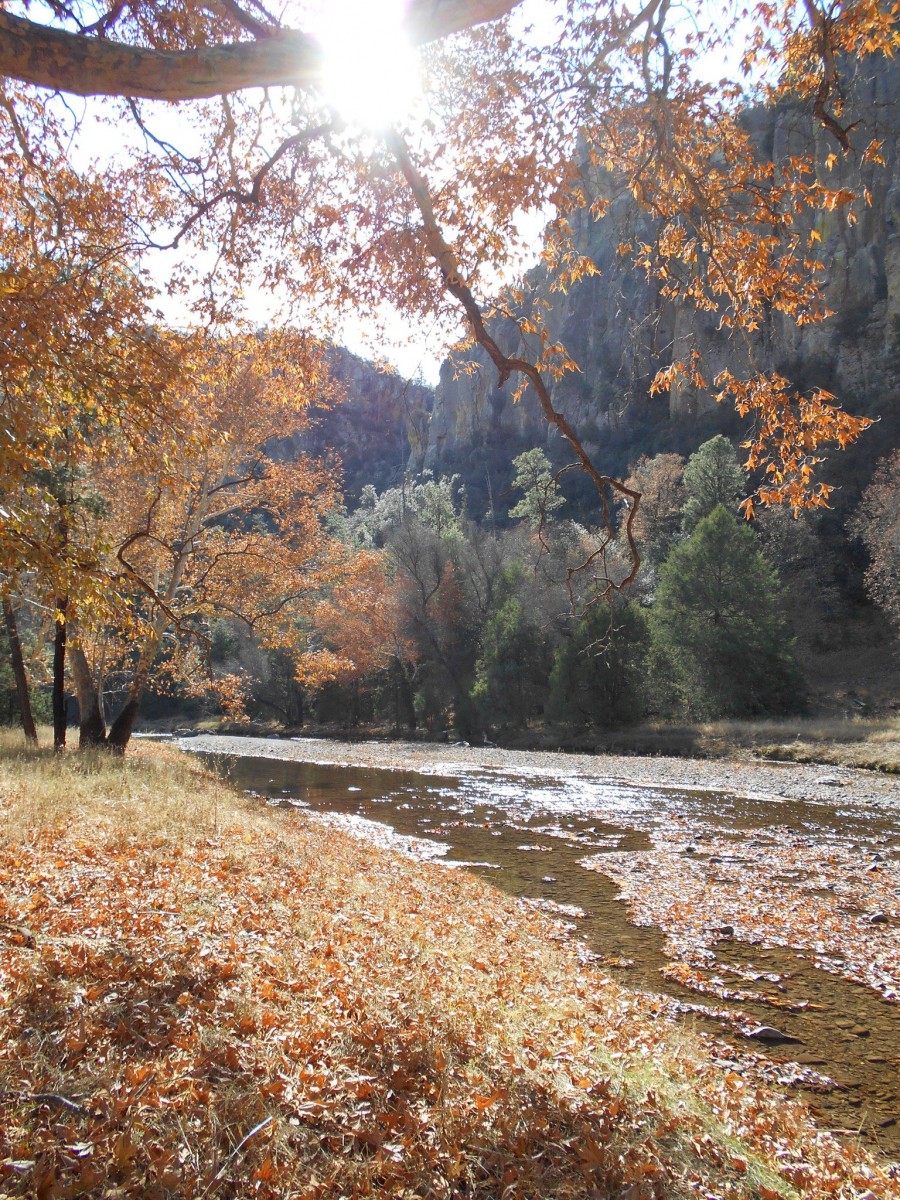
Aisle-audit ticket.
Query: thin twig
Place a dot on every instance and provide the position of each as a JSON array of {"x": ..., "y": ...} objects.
[
  {"x": 217, "y": 1178},
  {"x": 456, "y": 286},
  {"x": 60, "y": 1102}
]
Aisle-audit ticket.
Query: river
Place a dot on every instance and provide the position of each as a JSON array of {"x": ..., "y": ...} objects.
[{"x": 769, "y": 923}]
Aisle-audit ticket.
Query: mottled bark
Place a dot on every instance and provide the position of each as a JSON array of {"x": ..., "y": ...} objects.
[
  {"x": 18, "y": 667},
  {"x": 91, "y": 726},
  {"x": 98, "y": 66}
]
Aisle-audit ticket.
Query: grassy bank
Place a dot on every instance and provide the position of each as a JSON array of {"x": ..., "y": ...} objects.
[
  {"x": 871, "y": 743},
  {"x": 201, "y": 998}
]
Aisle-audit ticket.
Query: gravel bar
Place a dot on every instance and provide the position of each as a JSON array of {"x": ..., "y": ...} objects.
[{"x": 794, "y": 781}]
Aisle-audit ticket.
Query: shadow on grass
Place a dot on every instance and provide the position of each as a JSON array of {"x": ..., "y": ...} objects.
[{"x": 127, "y": 1076}]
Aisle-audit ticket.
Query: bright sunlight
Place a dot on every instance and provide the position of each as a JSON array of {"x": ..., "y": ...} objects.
[{"x": 371, "y": 70}]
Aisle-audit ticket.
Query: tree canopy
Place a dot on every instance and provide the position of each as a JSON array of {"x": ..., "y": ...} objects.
[
  {"x": 254, "y": 178},
  {"x": 719, "y": 623}
]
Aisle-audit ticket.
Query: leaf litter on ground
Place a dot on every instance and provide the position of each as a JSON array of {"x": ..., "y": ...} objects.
[{"x": 210, "y": 1001}]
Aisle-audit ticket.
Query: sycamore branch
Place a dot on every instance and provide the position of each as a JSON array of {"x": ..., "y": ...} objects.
[
  {"x": 239, "y": 195},
  {"x": 830, "y": 85},
  {"x": 98, "y": 66},
  {"x": 455, "y": 285}
]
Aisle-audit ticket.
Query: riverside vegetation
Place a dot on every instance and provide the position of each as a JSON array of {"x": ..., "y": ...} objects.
[
  {"x": 411, "y": 616},
  {"x": 202, "y": 999}
]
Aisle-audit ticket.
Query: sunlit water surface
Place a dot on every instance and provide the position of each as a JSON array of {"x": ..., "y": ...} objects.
[{"x": 530, "y": 836}]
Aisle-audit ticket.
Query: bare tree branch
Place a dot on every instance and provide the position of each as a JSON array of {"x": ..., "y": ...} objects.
[
  {"x": 238, "y": 194},
  {"x": 455, "y": 285}
]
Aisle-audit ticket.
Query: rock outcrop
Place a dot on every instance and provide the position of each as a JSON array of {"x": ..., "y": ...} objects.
[
  {"x": 380, "y": 424},
  {"x": 620, "y": 331}
]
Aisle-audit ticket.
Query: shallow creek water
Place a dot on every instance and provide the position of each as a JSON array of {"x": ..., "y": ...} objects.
[{"x": 532, "y": 836}]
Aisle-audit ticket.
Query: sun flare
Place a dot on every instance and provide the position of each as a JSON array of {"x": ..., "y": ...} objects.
[{"x": 371, "y": 69}]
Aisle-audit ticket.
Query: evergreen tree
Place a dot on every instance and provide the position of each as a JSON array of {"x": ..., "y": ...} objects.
[
  {"x": 511, "y": 672},
  {"x": 718, "y": 624},
  {"x": 712, "y": 476},
  {"x": 542, "y": 498},
  {"x": 598, "y": 675}
]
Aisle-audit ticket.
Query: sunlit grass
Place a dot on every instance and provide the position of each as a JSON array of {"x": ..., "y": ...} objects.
[
  {"x": 872, "y": 743},
  {"x": 183, "y": 965},
  {"x": 151, "y": 791}
]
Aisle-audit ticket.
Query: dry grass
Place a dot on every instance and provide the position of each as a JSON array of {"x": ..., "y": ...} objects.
[
  {"x": 868, "y": 742},
  {"x": 203, "y": 999},
  {"x": 153, "y": 791},
  {"x": 872, "y": 743}
]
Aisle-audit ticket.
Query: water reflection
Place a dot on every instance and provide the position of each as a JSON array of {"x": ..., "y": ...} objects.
[{"x": 531, "y": 836}]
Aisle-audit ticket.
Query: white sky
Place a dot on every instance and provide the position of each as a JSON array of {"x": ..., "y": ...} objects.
[{"x": 372, "y": 78}]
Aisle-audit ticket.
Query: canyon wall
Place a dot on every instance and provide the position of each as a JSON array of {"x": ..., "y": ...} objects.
[{"x": 620, "y": 332}]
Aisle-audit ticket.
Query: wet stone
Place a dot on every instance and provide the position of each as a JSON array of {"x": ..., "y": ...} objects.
[{"x": 768, "y": 1033}]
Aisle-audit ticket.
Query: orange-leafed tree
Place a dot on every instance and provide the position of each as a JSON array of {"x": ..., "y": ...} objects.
[
  {"x": 363, "y": 629},
  {"x": 361, "y": 624},
  {"x": 210, "y": 524},
  {"x": 603, "y": 100},
  {"x": 83, "y": 367}
]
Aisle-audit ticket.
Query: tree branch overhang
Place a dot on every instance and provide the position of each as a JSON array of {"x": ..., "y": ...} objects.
[{"x": 91, "y": 66}]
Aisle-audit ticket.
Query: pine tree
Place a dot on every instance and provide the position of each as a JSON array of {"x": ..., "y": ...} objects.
[
  {"x": 534, "y": 476},
  {"x": 712, "y": 476},
  {"x": 718, "y": 624}
]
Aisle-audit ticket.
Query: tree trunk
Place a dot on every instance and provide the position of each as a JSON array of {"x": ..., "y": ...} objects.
[
  {"x": 89, "y": 66},
  {"x": 92, "y": 728},
  {"x": 123, "y": 726},
  {"x": 59, "y": 675},
  {"x": 405, "y": 708},
  {"x": 18, "y": 666}
]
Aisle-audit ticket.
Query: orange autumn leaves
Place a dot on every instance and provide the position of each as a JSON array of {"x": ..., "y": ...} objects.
[
  {"x": 736, "y": 241},
  {"x": 281, "y": 1012},
  {"x": 221, "y": 524},
  {"x": 613, "y": 100},
  {"x": 161, "y": 512}
]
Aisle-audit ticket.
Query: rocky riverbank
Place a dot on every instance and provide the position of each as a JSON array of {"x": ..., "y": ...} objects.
[{"x": 793, "y": 781}]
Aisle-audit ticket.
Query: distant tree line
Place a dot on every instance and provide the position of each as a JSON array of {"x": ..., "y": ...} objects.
[
  {"x": 475, "y": 628},
  {"x": 483, "y": 626}
]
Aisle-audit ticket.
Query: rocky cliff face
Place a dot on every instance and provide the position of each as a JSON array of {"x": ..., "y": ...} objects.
[
  {"x": 380, "y": 424},
  {"x": 621, "y": 333}
]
